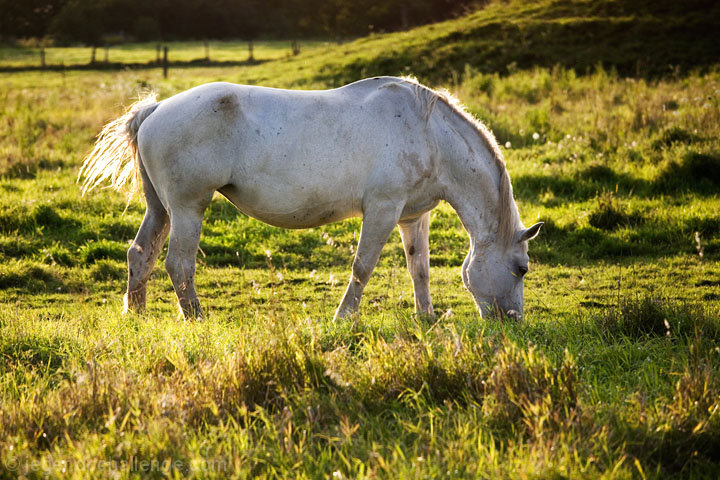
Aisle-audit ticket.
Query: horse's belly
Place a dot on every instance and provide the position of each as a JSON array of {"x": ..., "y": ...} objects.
[{"x": 290, "y": 210}]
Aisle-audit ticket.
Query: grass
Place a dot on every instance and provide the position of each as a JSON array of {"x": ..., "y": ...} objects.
[{"x": 614, "y": 373}]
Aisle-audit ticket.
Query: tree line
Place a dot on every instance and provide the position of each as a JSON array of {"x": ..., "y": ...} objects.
[{"x": 94, "y": 21}]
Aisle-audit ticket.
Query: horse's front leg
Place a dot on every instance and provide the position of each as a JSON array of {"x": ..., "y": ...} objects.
[
  {"x": 185, "y": 227},
  {"x": 415, "y": 238},
  {"x": 378, "y": 223}
]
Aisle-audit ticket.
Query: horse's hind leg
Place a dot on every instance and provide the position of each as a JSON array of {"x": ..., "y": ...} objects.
[
  {"x": 185, "y": 227},
  {"x": 142, "y": 256},
  {"x": 415, "y": 240},
  {"x": 146, "y": 247},
  {"x": 377, "y": 225}
]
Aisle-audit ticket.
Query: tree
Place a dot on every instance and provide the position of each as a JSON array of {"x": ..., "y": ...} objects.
[
  {"x": 80, "y": 20},
  {"x": 88, "y": 20},
  {"x": 27, "y": 18}
]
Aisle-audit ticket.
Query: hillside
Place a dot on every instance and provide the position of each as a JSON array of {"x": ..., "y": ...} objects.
[{"x": 638, "y": 38}]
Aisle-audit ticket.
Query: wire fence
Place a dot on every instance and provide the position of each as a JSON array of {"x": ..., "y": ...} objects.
[{"x": 149, "y": 55}]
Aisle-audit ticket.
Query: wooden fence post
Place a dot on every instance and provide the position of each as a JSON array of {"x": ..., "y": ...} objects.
[
  {"x": 165, "y": 62},
  {"x": 92, "y": 55},
  {"x": 107, "y": 54},
  {"x": 157, "y": 53},
  {"x": 42, "y": 57}
]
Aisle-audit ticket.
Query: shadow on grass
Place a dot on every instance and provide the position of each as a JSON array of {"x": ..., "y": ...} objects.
[
  {"x": 676, "y": 451},
  {"x": 31, "y": 279},
  {"x": 43, "y": 217},
  {"x": 695, "y": 172},
  {"x": 651, "y": 317},
  {"x": 47, "y": 353}
]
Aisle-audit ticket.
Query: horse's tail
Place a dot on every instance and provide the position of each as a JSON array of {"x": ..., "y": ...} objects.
[{"x": 115, "y": 157}]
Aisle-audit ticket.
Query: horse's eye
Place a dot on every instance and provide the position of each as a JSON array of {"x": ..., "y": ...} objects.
[{"x": 522, "y": 269}]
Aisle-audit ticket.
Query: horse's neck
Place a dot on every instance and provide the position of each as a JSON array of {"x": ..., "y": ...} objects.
[{"x": 474, "y": 178}]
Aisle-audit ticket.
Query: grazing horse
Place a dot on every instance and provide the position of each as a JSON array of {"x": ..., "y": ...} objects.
[{"x": 387, "y": 149}]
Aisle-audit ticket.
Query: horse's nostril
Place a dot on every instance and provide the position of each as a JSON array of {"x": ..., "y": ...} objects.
[{"x": 523, "y": 270}]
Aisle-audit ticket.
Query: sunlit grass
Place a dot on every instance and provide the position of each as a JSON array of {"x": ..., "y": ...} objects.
[{"x": 269, "y": 383}]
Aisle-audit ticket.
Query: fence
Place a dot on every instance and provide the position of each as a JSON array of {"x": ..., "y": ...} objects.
[{"x": 151, "y": 56}]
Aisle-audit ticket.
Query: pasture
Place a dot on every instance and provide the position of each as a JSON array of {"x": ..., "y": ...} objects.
[{"x": 614, "y": 372}]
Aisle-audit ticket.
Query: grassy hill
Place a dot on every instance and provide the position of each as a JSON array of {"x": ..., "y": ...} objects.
[{"x": 640, "y": 38}]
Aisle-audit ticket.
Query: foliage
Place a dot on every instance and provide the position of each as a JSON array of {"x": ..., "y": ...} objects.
[
  {"x": 89, "y": 20},
  {"x": 80, "y": 20}
]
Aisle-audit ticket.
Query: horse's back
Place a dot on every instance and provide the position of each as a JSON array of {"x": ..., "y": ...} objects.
[{"x": 212, "y": 108}]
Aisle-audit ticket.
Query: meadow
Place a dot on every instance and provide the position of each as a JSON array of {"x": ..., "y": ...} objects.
[{"x": 613, "y": 373}]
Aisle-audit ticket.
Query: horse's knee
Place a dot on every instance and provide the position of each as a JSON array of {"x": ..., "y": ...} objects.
[{"x": 360, "y": 272}]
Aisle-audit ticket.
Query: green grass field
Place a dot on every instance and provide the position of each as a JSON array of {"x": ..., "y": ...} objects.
[{"x": 614, "y": 372}]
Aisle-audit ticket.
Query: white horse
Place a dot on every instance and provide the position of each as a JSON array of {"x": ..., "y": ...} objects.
[{"x": 387, "y": 149}]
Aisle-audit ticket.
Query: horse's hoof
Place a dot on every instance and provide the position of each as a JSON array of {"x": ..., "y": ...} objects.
[
  {"x": 194, "y": 312},
  {"x": 131, "y": 306}
]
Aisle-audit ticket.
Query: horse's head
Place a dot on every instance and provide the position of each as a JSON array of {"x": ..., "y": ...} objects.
[{"x": 494, "y": 275}]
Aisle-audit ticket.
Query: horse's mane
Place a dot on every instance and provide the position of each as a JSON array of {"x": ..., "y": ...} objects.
[{"x": 508, "y": 215}]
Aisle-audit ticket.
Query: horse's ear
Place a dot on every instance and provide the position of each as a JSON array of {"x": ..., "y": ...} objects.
[{"x": 530, "y": 233}]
